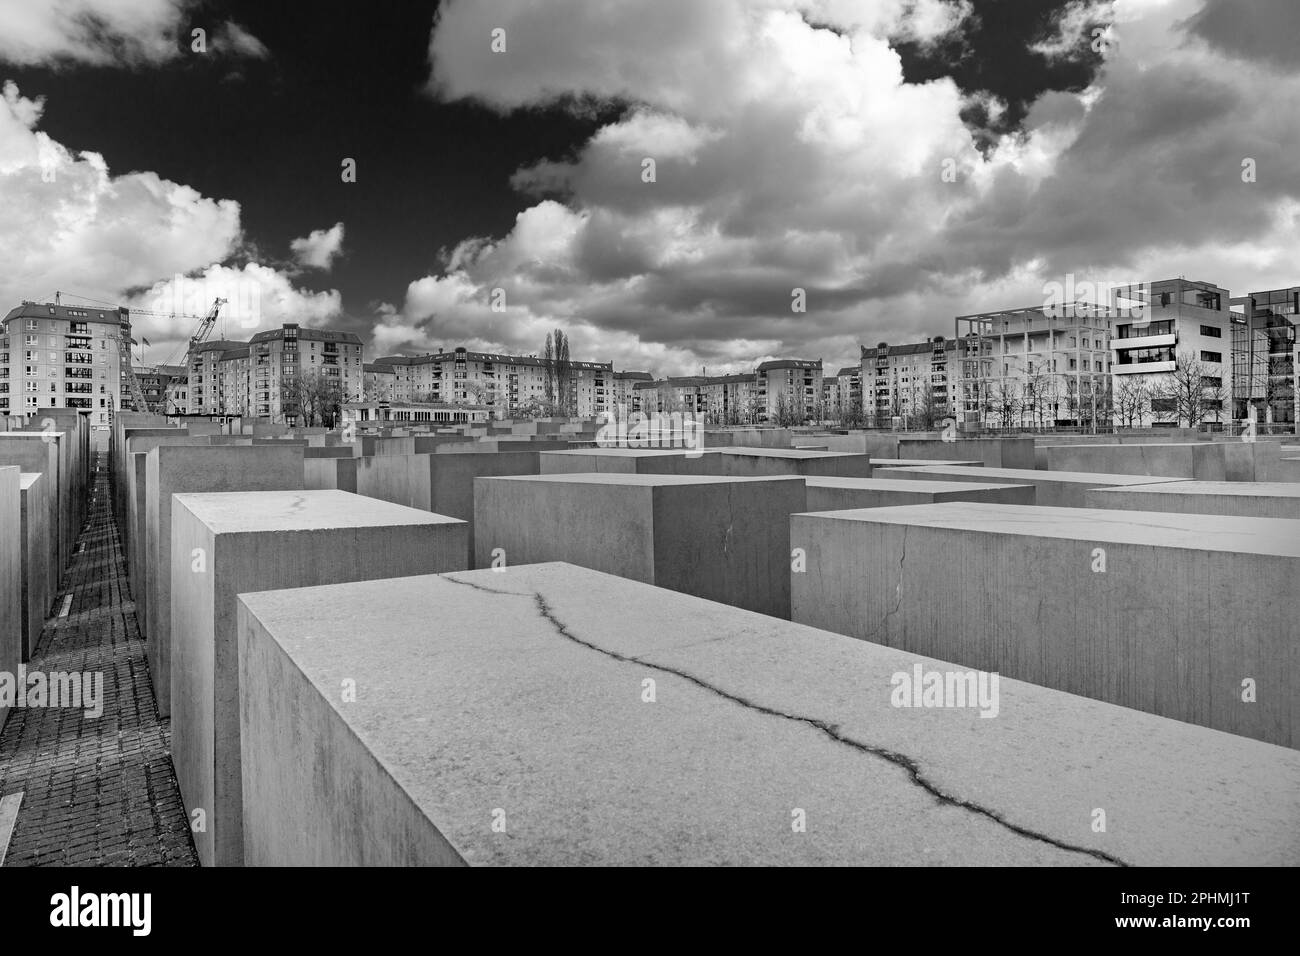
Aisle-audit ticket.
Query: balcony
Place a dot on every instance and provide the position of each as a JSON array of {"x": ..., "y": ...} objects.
[
  {"x": 1142, "y": 368},
  {"x": 1144, "y": 342}
]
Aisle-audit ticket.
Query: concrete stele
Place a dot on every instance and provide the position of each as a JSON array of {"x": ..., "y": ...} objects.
[
  {"x": 1271, "y": 499},
  {"x": 503, "y": 707},
  {"x": 1168, "y": 613},
  {"x": 229, "y": 544},
  {"x": 1064, "y": 489},
  {"x": 838, "y": 494},
  {"x": 181, "y": 469},
  {"x": 725, "y": 539}
]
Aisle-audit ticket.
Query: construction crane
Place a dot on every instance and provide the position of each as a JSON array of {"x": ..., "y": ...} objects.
[{"x": 206, "y": 323}]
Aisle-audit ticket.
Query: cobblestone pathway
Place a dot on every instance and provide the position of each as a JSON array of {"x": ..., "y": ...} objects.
[{"x": 96, "y": 791}]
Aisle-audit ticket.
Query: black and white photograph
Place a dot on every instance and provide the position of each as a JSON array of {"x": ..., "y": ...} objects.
[{"x": 651, "y": 434}]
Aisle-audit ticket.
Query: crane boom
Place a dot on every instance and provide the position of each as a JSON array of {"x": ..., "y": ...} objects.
[{"x": 205, "y": 325}]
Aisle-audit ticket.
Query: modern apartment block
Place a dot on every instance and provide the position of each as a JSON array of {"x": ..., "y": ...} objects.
[
  {"x": 1034, "y": 366},
  {"x": 58, "y": 356},
  {"x": 506, "y": 384},
  {"x": 254, "y": 378},
  {"x": 909, "y": 383},
  {"x": 378, "y": 382},
  {"x": 1181, "y": 336},
  {"x": 1266, "y": 357}
]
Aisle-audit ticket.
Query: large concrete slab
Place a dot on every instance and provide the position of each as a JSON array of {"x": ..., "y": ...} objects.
[
  {"x": 626, "y": 461},
  {"x": 11, "y": 585},
  {"x": 441, "y": 483},
  {"x": 725, "y": 539},
  {"x": 338, "y": 474},
  {"x": 486, "y": 723},
  {"x": 229, "y": 544},
  {"x": 1272, "y": 499},
  {"x": 994, "y": 452},
  {"x": 922, "y": 462},
  {"x": 36, "y": 559},
  {"x": 1167, "y": 613},
  {"x": 1053, "y": 488},
  {"x": 778, "y": 462},
  {"x": 1289, "y": 469},
  {"x": 837, "y": 494},
  {"x": 1205, "y": 461},
  {"x": 183, "y": 469},
  {"x": 30, "y": 451}
]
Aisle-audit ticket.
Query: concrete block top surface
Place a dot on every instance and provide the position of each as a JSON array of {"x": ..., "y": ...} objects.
[
  {"x": 795, "y": 453},
  {"x": 900, "y": 484},
  {"x": 651, "y": 481},
  {"x": 630, "y": 452},
  {"x": 39, "y": 434},
  {"x": 28, "y": 478},
  {"x": 1250, "y": 489},
  {"x": 1274, "y": 537},
  {"x": 235, "y": 512},
  {"x": 1031, "y": 475},
  {"x": 523, "y": 690},
  {"x": 925, "y": 463}
]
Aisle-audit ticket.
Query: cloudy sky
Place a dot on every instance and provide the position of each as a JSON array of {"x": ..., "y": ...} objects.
[{"x": 900, "y": 161}]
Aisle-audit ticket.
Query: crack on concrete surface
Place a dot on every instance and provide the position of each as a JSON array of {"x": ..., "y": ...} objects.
[{"x": 832, "y": 731}]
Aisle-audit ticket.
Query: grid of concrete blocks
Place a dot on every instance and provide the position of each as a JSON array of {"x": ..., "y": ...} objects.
[{"x": 512, "y": 644}]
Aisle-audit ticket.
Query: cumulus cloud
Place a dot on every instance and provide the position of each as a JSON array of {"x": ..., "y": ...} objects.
[
  {"x": 790, "y": 153},
  {"x": 136, "y": 239},
  {"x": 320, "y": 249},
  {"x": 98, "y": 32},
  {"x": 234, "y": 40}
]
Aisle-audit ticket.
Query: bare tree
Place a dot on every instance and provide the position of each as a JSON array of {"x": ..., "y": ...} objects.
[
  {"x": 559, "y": 372},
  {"x": 315, "y": 399},
  {"x": 1131, "y": 400},
  {"x": 1184, "y": 391}
]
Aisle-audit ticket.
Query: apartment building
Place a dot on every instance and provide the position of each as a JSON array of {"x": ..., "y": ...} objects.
[
  {"x": 156, "y": 382},
  {"x": 1033, "y": 367},
  {"x": 1266, "y": 357},
  {"x": 57, "y": 356},
  {"x": 1182, "y": 336},
  {"x": 907, "y": 385},
  {"x": 509, "y": 385},
  {"x": 842, "y": 394},
  {"x": 626, "y": 395},
  {"x": 789, "y": 389},
  {"x": 255, "y": 378},
  {"x": 379, "y": 383}
]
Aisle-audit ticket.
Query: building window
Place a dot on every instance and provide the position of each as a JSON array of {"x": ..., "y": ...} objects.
[
  {"x": 1210, "y": 331},
  {"x": 1211, "y": 356}
]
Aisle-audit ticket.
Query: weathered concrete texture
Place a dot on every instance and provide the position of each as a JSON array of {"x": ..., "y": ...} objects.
[
  {"x": 181, "y": 469},
  {"x": 1204, "y": 461},
  {"x": 753, "y": 718},
  {"x": 922, "y": 462},
  {"x": 329, "y": 451},
  {"x": 1252, "y": 461},
  {"x": 837, "y": 494},
  {"x": 1289, "y": 470},
  {"x": 1273, "y": 499},
  {"x": 725, "y": 539},
  {"x": 229, "y": 544},
  {"x": 994, "y": 452},
  {"x": 427, "y": 444},
  {"x": 339, "y": 474},
  {"x": 11, "y": 576},
  {"x": 748, "y": 438},
  {"x": 1167, "y": 613},
  {"x": 778, "y": 462},
  {"x": 29, "y": 451},
  {"x": 36, "y": 559},
  {"x": 441, "y": 483},
  {"x": 626, "y": 461},
  {"x": 1062, "y": 489}
]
